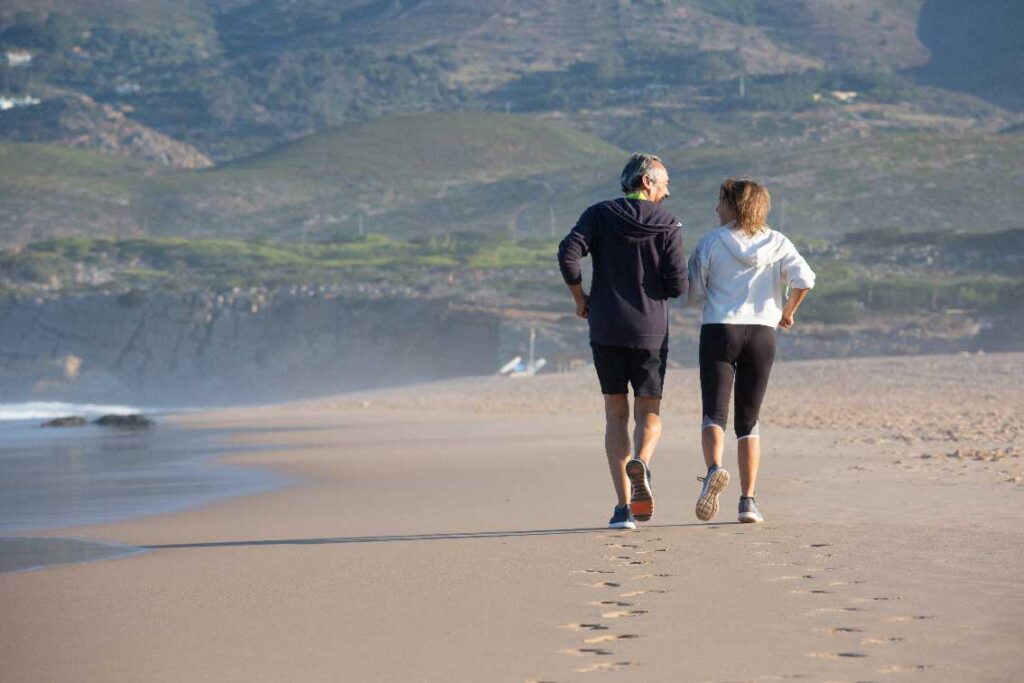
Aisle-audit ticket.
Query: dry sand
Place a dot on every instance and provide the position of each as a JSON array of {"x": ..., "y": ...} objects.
[{"x": 452, "y": 532}]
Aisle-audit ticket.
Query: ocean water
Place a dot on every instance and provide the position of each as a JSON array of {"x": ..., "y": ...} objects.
[{"x": 61, "y": 477}]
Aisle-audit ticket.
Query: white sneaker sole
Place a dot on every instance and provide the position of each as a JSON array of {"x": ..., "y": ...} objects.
[
  {"x": 750, "y": 518},
  {"x": 622, "y": 525},
  {"x": 707, "y": 504}
]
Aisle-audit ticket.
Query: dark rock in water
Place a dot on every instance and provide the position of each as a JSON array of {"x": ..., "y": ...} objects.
[
  {"x": 131, "y": 421},
  {"x": 70, "y": 421}
]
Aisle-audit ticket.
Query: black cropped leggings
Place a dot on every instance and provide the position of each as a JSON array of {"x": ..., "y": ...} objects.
[{"x": 741, "y": 352}]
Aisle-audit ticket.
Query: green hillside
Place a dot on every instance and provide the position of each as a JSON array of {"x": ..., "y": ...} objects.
[
  {"x": 501, "y": 175},
  {"x": 47, "y": 191},
  {"x": 914, "y": 182},
  {"x": 404, "y": 174}
]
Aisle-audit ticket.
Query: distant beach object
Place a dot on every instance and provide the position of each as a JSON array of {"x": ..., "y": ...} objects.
[
  {"x": 511, "y": 365},
  {"x": 69, "y": 421},
  {"x": 532, "y": 366},
  {"x": 135, "y": 421}
]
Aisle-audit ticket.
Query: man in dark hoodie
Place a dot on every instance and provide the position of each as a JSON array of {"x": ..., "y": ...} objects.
[{"x": 637, "y": 252}]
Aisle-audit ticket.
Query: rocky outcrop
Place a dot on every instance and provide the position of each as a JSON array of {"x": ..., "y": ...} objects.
[
  {"x": 135, "y": 421},
  {"x": 81, "y": 122},
  {"x": 203, "y": 347},
  {"x": 71, "y": 421}
]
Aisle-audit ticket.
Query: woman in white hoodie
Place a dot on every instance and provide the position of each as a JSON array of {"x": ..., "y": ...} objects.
[{"x": 738, "y": 272}]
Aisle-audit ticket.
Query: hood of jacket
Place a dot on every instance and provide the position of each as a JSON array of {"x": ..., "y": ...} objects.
[
  {"x": 762, "y": 249},
  {"x": 637, "y": 220}
]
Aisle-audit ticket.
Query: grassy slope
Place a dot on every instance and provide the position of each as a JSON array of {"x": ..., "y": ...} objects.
[
  {"x": 916, "y": 182},
  {"x": 434, "y": 174},
  {"x": 414, "y": 166},
  {"x": 65, "y": 192}
]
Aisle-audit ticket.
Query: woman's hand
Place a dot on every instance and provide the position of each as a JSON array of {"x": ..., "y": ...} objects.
[{"x": 796, "y": 297}]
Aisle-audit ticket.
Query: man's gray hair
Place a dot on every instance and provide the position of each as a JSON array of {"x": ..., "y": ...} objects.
[{"x": 638, "y": 166}]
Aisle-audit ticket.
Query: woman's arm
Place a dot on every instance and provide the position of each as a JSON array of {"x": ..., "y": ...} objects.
[{"x": 796, "y": 297}]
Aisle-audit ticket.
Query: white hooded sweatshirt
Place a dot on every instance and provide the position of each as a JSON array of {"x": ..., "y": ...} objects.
[{"x": 740, "y": 280}]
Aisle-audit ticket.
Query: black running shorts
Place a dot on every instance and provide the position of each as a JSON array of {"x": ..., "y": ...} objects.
[{"x": 619, "y": 366}]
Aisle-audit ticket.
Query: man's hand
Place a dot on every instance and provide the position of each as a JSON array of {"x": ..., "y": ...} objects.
[
  {"x": 582, "y": 300},
  {"x": 787, "y": 321},
  {"x": 583, "y": 306}
]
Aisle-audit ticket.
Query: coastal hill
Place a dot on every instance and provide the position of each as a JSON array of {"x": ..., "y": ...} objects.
[{"x": 501, "y": 175}]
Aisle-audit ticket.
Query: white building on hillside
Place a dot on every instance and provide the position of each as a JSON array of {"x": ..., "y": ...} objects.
[
  {"x": 17, "y": 57},
  {"x": 7, "y": 102}
]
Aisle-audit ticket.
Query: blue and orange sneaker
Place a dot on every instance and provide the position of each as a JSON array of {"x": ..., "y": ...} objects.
[
  {"x": 622, "y": 518},
  {"x": 641, "y": 499}
]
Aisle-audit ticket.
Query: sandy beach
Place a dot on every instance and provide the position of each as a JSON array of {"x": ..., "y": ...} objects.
[{"x": 455, "y": 532}]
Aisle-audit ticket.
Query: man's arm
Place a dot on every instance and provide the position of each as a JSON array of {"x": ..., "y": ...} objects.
[
  {"x": 574, "y": 247},
  {"x": 673, "y": 267}
]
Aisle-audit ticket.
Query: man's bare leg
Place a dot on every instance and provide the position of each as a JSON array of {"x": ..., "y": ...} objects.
[
  {"x": 616, "y": 442},
  {"x": 749, "y": 456},
  {"x": 647, "y": 430}
]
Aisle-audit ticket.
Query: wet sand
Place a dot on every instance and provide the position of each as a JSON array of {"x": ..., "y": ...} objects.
[{"x": 455, "y": 532}]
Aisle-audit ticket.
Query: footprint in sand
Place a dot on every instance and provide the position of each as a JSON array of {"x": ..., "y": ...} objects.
[
  {"x": 633, "y": 594},
  {"x": 904, "y": 668},
  {"x": 652, "y": 550},
  {"x": 817, "y": 545},
  {"x": 838, "y": 630},
  {"x": 816, "y": 592},
  {"x": 832, "y": 610},
  {"x": 916, "y": 617},
  {"x": 605, "y": 584},
  {"x": 620, "y": 613},
  {"x": 792, "y": 577},
  {"x": 611, "y": 603},
  {"x": 610, "y": 638},
  {"x": 881, "y": 641},
  {"x": 621, "y": 545},
  {"x": 585, "y": 627},
  {"x": 649, "y": 576},
  {"x": 836, "y": 655},
  {"x": 586, "y": 651},
  {"x": 592, "y": 571},
  {"x": 604, "y": 666}
]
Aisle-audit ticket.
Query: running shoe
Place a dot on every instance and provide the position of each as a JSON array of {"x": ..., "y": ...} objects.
[
  {"x": 749, "y": 511},
  {"x": 641, "y": 500},
  {"x": 622, "y": 518},
  {"x": 714, "y": 483}
]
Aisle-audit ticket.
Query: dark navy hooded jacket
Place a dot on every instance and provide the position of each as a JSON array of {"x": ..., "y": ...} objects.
[{"x": 637, "y": 251}]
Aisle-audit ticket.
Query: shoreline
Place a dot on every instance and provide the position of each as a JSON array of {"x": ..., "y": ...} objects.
[{"x": 60, "y": 479}]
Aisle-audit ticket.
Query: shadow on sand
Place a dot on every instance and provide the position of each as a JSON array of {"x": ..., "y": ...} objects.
[{"x": 454, "y": 536}]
